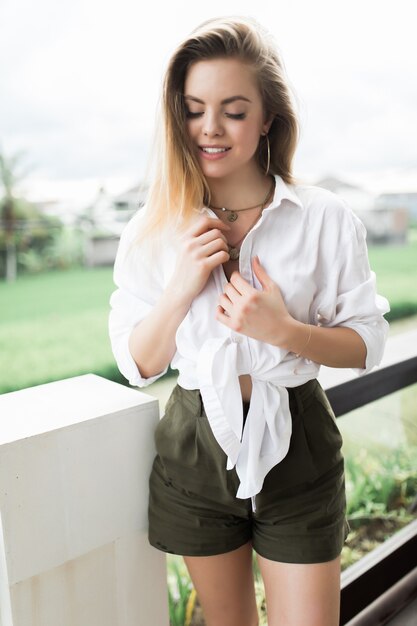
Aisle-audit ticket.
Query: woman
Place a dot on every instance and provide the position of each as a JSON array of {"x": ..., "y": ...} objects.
[{"x": 252, "y": 281}]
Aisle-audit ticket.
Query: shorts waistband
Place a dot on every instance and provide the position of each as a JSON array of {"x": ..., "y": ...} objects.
[
  {"x": 303, "y": 393},
  {"x": 192, "y": 398}
]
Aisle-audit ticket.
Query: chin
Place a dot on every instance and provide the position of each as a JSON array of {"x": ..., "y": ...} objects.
[
  {"x": 216, "y": 176},
  {"x": 218, "y": 171}
]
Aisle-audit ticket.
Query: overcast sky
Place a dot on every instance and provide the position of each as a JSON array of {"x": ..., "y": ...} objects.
[{"x": 80, "y": 80}]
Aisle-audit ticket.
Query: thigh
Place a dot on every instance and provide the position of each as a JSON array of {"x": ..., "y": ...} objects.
[
  {"x": 303, "y": 524},
  {"x": 225, "y": 587},
  {"x": 307, "y": 594}
]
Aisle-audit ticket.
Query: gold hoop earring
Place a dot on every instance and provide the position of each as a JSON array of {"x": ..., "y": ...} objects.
[{"x": 268, "y": 163}]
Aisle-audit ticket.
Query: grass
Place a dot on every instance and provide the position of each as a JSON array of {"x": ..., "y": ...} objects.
[
  {"x": 65, "y": 292},
  {"x": 54, "y": 325},
  {"x": 396, "y": 271},
  {"x": 181, "y": 593}
]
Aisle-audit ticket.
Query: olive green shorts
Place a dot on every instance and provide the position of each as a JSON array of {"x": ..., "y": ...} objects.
[{"x": 300, "y": 512}]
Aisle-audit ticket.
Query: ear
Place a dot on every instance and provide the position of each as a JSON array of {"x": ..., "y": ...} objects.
[{"x": 267, "y": 124}]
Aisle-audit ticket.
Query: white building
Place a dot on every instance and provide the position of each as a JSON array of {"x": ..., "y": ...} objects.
[{"x": 385, "y": 222}]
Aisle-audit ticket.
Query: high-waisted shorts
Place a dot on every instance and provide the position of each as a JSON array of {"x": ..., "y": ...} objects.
[{"x": 300, "y": 512}]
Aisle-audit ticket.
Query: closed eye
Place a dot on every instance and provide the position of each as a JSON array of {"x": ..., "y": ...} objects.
[{"x": 233, "y": 116}]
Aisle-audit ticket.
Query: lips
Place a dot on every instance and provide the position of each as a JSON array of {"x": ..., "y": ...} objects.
[{"x": 213, "y": 149}]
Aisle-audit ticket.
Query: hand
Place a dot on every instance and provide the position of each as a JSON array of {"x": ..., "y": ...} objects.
[
  {"x": 258, "y": 314},
  {"x": 202, "y": 247}
]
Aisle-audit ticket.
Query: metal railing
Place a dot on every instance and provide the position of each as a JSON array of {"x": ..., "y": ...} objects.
[{"x": 386, "y": 578}]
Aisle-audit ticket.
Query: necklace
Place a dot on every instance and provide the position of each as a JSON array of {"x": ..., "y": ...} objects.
[
  {"x": 234, "y": 251},
  {"x": 233, "y": 215}
]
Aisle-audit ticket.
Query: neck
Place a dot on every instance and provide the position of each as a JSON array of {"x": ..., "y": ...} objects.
[{"x": 239, "y": 190}]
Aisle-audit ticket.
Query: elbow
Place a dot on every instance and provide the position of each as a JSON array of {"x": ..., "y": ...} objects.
[{"x": 363, "y": 353}]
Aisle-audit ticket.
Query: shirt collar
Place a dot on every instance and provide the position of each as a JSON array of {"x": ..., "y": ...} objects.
[{"x": 283, "y": 191}]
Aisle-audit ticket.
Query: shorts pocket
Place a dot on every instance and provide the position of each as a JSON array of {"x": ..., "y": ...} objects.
[
  {"x": 323, "y": 434},
  {"x": 175, "y": 433},
  {"x": 187, "y": 449},
  {"x": 298, "y": 466}
]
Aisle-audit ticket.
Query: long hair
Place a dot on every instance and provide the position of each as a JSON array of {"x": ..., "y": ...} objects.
[{"x": 179, "y": 187}]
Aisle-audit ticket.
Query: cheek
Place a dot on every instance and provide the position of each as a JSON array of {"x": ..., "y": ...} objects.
[
  {"x": 190, "y": 129},
  {"x": 248, "y": 136}
]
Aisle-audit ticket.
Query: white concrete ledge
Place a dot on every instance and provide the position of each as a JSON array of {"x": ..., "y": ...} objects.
[{"x": 75, "y": 458}]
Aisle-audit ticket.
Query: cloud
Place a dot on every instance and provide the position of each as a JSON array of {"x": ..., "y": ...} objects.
[
  {"x": 362, "y": 120},
  {"x": 83, "y": 79}
]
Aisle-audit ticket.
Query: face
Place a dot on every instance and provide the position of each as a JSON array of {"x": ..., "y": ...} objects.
[{"x": 225, "y": 116}]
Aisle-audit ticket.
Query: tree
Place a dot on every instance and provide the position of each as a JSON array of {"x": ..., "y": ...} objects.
[{"x": 10, "y": 179}]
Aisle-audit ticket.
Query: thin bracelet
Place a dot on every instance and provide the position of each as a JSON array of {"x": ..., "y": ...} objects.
[{"x": 308, "y": 341}]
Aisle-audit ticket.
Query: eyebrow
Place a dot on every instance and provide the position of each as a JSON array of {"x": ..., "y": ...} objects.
[{"x": 225, "y": 101}]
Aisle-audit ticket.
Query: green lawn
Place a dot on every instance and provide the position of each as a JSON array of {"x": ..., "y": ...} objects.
[
  {"x": 396, "y": 271},
  {"x": 54, "y": 325}
]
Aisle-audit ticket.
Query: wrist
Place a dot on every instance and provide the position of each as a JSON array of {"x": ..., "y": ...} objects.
[
  {"x": 285, "y": 332},
  {"x": 297, "y": 336},
  {"x": 174, "y": 299}
]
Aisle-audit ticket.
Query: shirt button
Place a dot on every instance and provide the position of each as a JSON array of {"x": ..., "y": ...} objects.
[{"x": 236, "y": 339}]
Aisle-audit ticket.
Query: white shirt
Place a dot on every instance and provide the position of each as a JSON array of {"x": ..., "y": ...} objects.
[{"x": 313, "y": 246}]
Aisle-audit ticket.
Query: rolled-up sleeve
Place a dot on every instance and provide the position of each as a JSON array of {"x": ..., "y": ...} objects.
[
  {"x": 138, "y": 289},
  {"x": 349, "y": 297}
]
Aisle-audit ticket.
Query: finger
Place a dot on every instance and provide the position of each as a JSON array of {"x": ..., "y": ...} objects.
[
  {"x": 265, "y": 280},
  {"x": 222, "y": 317},
  {"x": 240, "y": 284},
  {"x": 206, "y": 223},
  {"x": 214, "y": 246},
  {"x": 217, "y": 259},
  {"x": 211, "y": 235},
  {"x": 232, "y": 292},
  {"x": 226, "y": 304}
]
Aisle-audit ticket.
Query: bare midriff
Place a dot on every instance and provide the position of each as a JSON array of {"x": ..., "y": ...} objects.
[{"x": 245, "y": 380}]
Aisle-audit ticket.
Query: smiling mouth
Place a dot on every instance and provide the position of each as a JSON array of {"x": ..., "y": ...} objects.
[{"x": 213, "y": 150}]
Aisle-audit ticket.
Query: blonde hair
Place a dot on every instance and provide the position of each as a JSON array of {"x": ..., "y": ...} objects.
[{"x": 179, "y": 187}]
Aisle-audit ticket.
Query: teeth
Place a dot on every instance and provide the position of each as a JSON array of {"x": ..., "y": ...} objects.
[{"x": 214, "y": 150}]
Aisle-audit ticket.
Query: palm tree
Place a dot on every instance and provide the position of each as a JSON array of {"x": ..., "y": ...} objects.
[{"x": 9, "y": 179}]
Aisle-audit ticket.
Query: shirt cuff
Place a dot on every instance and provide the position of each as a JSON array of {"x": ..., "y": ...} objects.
[
  {"x": 129, "y": 368},
  {"x": 374, "y": 335}
]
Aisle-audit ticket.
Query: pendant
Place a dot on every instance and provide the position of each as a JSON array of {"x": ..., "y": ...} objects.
[
  {"x": 231, "y": 215},
  {"x": 234, "y": 253}
]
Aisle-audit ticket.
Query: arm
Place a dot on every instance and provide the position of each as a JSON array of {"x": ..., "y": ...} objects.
[
  {"x": 144, "y": 315},
  {"x": 152, "y": 341},
  {"x": 334, "y": 347}
]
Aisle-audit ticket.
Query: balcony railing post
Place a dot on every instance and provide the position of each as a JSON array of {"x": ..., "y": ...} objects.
[{"x": 75, "y": 456}]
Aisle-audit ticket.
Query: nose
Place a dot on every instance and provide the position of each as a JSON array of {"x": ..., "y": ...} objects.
[{"x": 212, "y": 126}]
